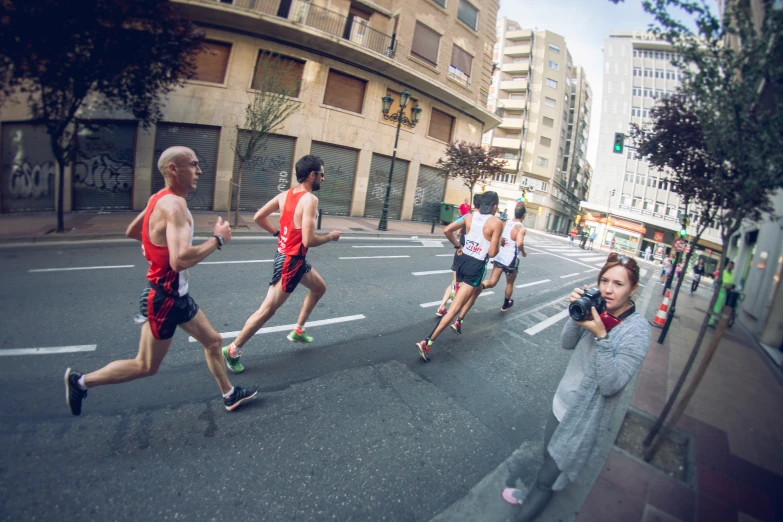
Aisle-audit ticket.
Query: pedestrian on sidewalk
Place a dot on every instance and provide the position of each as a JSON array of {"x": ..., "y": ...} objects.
[
  {"x": 572, "y": 236},
  {"x": 608, "y": 351},
  {"x": 464, "y": 208},
  {"x": 666, "y": 268},
  {"x": 593, "y": 235},
  {"x": 698, "y": 271},
  {"x": 727, "y": 284},
  {"x": 648, "y": 253},
  {"x": 585, "y": 235},
  {"x": 612, "y": 246}
]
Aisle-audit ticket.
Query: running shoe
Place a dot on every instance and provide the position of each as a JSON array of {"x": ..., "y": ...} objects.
[
  {"x": 514, "y": 496},
  {"x": 299, "y": 338},
  {"x": 232, "y": 363},
  {"x": 74, "y": 394},
  {"x": 441, "y": 312},
  {"x": 424, "y": 350},
  {"x": 239, "y": 396},
  {"x": 507, "y": 303},
  {"x": 457, "y": 327}
]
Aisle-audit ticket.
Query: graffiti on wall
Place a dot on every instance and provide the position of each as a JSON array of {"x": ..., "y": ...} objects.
[
  {"x": 103, "y": 172},
  {"x": 30, "y": 181}
]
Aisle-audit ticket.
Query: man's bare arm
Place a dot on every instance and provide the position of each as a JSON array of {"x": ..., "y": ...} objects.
[
  {"x": 494, "y": 243},
  {"x": 262, "y": 216},
  {"x": 134, "y": 229},
  {"x": 454, "y": 226},
  {"x": 181, "y": 254},
  {"x": 521, "y": 240},
  {"x": 309, "y": 238}
]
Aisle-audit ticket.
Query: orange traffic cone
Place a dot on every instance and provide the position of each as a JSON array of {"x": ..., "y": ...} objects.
[{"x": 660, "y": 316}]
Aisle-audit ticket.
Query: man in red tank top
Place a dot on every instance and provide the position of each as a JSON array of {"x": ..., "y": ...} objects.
[
  {"x": 165, "y": 229},
  {"x": 298, "y": 209}
]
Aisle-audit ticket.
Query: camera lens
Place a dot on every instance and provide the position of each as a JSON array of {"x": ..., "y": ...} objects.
[{"x": 579, "y": 310}]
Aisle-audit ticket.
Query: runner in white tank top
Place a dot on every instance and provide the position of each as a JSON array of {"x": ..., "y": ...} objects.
[
  {"x": 507, "y": 260},
  {"x": 482, "y": 241}
]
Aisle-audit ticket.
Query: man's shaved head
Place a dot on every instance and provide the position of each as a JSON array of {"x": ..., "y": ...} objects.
[{"x": 172, "y": 155}]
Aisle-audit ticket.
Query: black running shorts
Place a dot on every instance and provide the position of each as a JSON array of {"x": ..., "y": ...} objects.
[
  {"x": 509, "y": 270},
  {"x": 289, "y": 270},
  {"x": 165, "y": 312},
  {"x": 470, "y": 270}
]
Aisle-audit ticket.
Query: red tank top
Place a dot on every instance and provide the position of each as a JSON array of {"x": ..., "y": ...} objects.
[
  {"x": 160, "y": 273},
  {"x": 289, "y": 242}
]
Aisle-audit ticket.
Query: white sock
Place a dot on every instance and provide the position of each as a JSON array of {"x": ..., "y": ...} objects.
[
  {"x": 81, "y": 384},
  {"x": 228, "y": 395},
  {"x": 234, "y": 350}
]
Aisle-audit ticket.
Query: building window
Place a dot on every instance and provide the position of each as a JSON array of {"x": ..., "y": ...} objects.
[
  {"x": 441, "y": 125},
  {"x": 637, "y": 202},
  {"x": 292, "y": 68},
  {"x": 344, "y": 91},
  {"x": 441, "y": 3},
  {"x": 425, "y": 44},
  {"x": 648, "y": 205},
  {"x": 542, "y": 162},
  {"x": 468, "y": 14},
  {"x": 546, "y": 142},
  {"x": 549, "y": 102},
  {"x": 554, "y": 65},
  {"x": 640, "y": 180},
  {"x": 212, "y": 62},
  {"x": 548, "y": 122},
  {"x": 629, "y": 177},
  {"x": 651, "y": 181},
  {"x": 660, "y": 208},
  {"x": 637, "y": 71},
  {"x": 461, "y": 62},
  {"x": 554, "y": 48},
  {"x": 551, "y": 83}
]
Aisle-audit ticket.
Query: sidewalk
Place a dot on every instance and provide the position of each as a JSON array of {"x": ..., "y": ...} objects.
[
  {"x": 39, "y": 227},
  {"x": 734, "y": 418}
]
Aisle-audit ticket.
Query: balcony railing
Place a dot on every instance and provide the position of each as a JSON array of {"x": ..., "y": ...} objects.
[{"x": 303, "y": 12}]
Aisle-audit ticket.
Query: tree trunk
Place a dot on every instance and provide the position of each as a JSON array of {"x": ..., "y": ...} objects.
[
  {"x": 239, "y": 188},
  {"x": 713, "y": 346},
  {"x": 60, "y": 194}
]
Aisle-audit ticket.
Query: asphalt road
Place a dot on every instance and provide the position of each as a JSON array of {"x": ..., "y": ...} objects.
[{"x": 351, "y": 427}]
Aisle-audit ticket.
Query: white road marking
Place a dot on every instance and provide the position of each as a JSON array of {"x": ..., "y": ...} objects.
[
  {"x": 589, "y": 270},
  {"x": 235, "y": 262},
  {"x": 398, "y": 246},
  {"x": 567, "y": 259},
  {"x": 283, "y": 328},
  {"x": 569, "y": 275},
  {"x": 53, "y": 349},
  {"x": 591, "y": 259},
  {"x": 525, "y": 285},
  {"x": 600, "y": 265},
  {"x": 432, "y": 272},
  {"x": 546, "y": 323},
  {"x": 575, "y": 254},
  {"x": 373, "y": 257},
  {"x": 535, "y": 253},
  {"x": 436, "y": 303},
  {"x": 444, "y": 255},
  {"x": 78, "y": 268}
]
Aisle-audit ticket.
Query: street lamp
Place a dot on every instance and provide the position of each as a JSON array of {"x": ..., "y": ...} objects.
[{"x": 400, "y": 118}]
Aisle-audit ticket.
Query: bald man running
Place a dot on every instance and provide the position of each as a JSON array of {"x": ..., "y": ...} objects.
[{"x": 165, "y": 230}]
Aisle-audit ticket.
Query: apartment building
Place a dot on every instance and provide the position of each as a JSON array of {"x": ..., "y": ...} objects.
[
  {"x": 545, "y": 103},
  {"x": 348, "y": 54},
  {"x": 629, "y": 201}
]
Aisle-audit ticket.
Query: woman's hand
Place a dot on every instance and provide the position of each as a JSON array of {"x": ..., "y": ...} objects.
[
  {"x": 576, "y": 294},
  {"x": 594, "y": 325}
]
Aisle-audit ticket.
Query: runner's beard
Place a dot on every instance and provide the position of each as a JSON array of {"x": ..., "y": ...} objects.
[{"x": 316, "y": 186}]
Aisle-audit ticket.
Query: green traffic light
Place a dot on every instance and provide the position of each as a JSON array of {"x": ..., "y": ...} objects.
[
  {"x": 618, "y": 147},
  {"x": 683, "y": 232}
]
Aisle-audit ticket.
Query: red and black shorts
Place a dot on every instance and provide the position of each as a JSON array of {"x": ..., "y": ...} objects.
[
  {"x": 165, "y": 312},
  {"x": 289, "y": 270}
]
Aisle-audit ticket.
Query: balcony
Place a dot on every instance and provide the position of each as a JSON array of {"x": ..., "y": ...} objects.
[
  {"x": 514, "y": 104},
  {"x": 519, "y": 35},
  {"x": 511, "y": 123},
  {"x": 517, "y": 50},
  {"x": 519, "y": 67},
  {"x": 509, "y": 164},
  {"x": 506, "y": 143},
  {"x": 514, "y": 85}
]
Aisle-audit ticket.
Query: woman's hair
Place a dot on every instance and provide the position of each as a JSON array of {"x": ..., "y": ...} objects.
[{"x": 626, "y": 262}]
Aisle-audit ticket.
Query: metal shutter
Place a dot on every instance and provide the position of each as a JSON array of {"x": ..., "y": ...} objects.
[
  {"x": 267, "y": 174},
  {"x": 204, "y": 142},
  {"x": 103, "y": 171},
  {"x": 429, "y": 194},
  {"x": 28, "y": 168},
  {"x": 340, "y": 170},
  {"x": 376, "y": 186}
]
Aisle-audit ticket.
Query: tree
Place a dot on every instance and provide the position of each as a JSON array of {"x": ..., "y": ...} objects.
[
  {"x": 277, "y": 85},
  {"x": 470, "y": 162},
  {"x": 66, "y": 61},
  {"x": 725, "y": 63}
]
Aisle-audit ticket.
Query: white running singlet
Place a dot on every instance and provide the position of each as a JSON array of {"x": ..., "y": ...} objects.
[
  {"x": 507, "y": 254},
  {"x": 476, "y": 245}
]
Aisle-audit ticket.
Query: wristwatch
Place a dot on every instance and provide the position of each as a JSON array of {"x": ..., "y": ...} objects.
[
  {"x": 604, "y": 338},
  {"x": 276, "y": 234},
  {"x": 220, "y": 241}
]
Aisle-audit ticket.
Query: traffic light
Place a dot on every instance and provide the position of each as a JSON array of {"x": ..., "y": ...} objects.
[
  {"x": 619, "y": 142},
  {"x": 684, "y": 222},
  {"x": 578, "y": 218}
]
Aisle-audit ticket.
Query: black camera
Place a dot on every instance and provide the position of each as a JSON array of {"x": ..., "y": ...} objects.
[{"x": 579, "y": 310}]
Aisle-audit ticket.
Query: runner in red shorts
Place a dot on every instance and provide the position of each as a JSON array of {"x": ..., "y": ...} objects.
[
  {"x": 298, "y": 209},
  {"x": 165, "y": 230}
]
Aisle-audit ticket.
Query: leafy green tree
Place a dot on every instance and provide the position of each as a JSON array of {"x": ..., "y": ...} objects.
[{"x": 471, "y": 163}]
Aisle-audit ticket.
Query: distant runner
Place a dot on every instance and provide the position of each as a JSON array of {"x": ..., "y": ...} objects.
[{"x": 507, "y": 260}]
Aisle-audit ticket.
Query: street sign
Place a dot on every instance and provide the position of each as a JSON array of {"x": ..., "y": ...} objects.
[{"x": 679, "y": 244}]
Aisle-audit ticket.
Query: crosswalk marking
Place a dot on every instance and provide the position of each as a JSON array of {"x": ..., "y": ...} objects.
[
  {"x": 52, "y": 349},
  {"x": 283, "y": 328},
  {"x": 591, "y": 259},
  {"x": 546, "y": 323},
  {"x": 373, "y": 257},
  {"x": 78, "y": 268},
  {"x": 436, "y": 303},
  {"x": 236, "y": 262},
  {"x": 569, "y": 275},
  {"x": 525, "y": 285},
  {"x": 431, "y": 272}
]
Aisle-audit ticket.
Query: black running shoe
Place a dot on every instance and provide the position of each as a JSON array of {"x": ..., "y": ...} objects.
[
  {"x": 74, "y": 394},
  {"x": 508, "y": 303},
  {"x": 239, "y": 396}
]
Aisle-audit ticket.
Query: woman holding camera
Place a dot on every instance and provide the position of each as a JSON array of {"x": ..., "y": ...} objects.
[{"x": 609, "y": 348}]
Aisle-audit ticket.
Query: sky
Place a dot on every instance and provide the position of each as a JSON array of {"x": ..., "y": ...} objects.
[{"x": 584, "y": 24}]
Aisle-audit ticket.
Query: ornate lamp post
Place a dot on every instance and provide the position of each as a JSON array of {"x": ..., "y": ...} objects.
[{"x": 400, "y": 118}]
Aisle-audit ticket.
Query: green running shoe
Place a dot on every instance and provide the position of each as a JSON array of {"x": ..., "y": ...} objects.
[
  {"x": 299, "y": 338},
  {"x": 232, "y": 363}
]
